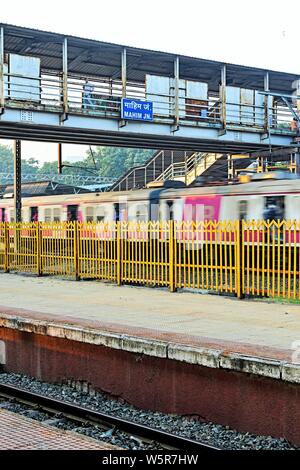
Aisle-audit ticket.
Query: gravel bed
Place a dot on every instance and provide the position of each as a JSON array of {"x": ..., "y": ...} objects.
[{"x": 210, "y": 433}]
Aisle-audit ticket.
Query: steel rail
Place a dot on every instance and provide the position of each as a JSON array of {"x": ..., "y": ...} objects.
[{"x": 81, "y": 413}]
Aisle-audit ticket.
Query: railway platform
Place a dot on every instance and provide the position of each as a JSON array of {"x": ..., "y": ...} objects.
[
  {"x": 224, "y": 360},
  {"x": 22, "y": 433}
]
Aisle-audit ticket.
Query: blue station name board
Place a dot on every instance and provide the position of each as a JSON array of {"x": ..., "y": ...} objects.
[{"x": 137, "y": 110}]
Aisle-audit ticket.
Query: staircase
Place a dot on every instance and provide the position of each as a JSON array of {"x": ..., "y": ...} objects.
[
  {"x": 208, "y": 166},
  {"x": 139, "y": 176},
  {"x": 219, "y": 171},
  {"x": 190, "y": 168}
]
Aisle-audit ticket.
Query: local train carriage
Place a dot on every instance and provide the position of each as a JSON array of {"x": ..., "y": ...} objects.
[{"x": 258, "y": 200}]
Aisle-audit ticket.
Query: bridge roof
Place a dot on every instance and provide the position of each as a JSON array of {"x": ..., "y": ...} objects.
[{"x": 88, "y": 57}]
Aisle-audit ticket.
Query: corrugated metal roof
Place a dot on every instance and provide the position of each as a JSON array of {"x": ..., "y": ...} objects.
[
  {"x": 104, "y": 60},
  {"x": 41, "y": 188}
]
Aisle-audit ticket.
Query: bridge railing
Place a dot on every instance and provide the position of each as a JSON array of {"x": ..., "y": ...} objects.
[
  {"x": 102, "y": 97},
  {"x": 241, "y": 258}
]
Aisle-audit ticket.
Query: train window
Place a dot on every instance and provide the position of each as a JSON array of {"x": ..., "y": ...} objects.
[
  {"x": 89, "y": 214},
  {"x": 141, "y": 212},
  {"x": 243, "y": 209},
  {"x": 2, "y": 215},
  {"x": 100, "y": 214},
  {"x": 72, "y": 213},
  {"x": 34, "y": 214},
  {"x": 162, "y": 211},
  {"x": 170, "y": 205},
  {"x": 56, "y": 214},
  {"x": 274, "y": 208},
  {"x": 123, "y": 212},
  {"x": 48, "y": 215},
  {"x": 117, "y": 212}
]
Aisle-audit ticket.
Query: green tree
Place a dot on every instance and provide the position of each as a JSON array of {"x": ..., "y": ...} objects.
[
  {"x": 29, "y": 166},
  {"x": 6, "y": 159},
  {"x": 115, "y": 161},
  {"x": 105, "y": 161}
]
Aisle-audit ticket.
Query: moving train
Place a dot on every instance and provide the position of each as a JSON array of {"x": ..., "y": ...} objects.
[{"x": 270, "y": 197}]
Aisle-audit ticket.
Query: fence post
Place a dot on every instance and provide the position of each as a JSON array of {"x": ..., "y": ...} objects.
[
  {"x": 171, "y": 257},
  {"x": 238, "y": 260},
  {"x": 76, "y": 249},
  {"x": 119, "y": 254},
  {"x": 6, "y": 248},
  {"x": 39, "y": 249}
]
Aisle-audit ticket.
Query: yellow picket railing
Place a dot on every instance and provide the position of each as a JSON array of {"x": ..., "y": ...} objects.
[{"x": 244, "y": 258}]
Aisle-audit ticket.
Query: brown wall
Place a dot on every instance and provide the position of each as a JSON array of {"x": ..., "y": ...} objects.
[{"x": 241, "y": 401}]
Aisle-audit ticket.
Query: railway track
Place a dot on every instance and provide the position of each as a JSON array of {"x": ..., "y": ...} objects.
[{"x": 81, "y": 414}]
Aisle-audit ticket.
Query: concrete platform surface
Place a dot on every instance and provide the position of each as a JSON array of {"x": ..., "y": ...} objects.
[
  {"x": 20, "y": 433},
  {"x": 262, "y": 329}
]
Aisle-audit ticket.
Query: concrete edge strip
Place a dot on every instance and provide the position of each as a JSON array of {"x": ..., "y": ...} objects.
[{"x": 207, "y": 357}]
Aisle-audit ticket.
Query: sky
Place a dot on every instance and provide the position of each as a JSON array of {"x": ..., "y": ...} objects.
[{"x": 260, "y": 33}]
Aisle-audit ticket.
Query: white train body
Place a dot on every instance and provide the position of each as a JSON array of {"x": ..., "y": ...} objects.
[{"x": 248, "y": 201}]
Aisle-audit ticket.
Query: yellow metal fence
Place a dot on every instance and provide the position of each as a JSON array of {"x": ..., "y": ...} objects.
[{"x": 252, "y": 258}]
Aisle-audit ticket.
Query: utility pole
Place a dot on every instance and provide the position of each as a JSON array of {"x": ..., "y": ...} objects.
[
  {"x": 59, "y": 162},
  {"x": 17, "y": 181}
]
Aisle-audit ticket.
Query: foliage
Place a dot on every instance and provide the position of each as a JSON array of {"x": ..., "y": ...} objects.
[{"x": 103, "y": 161}]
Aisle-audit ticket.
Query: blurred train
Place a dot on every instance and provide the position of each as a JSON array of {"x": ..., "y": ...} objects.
[{"x": 270, "y": 197}]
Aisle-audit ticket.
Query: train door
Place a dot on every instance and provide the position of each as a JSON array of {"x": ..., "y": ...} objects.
[
  {"x": 2, "y": 215},
  {"x": 72, "y": 213},
  {"x": 34, "y": 214},
  {"x": 120, "y": 211},
  {"x": 117, "y": 211},
  {"x": 170, "y": 205},
  {"x": 243, "y": 210},
  {"x": 274, "y": 208}
]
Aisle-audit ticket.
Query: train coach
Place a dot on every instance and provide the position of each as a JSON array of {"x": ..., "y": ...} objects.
[{"x": 257, "y": 200}]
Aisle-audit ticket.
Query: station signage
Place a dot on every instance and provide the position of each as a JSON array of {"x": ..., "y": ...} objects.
[{"x": 136, "y": 110}]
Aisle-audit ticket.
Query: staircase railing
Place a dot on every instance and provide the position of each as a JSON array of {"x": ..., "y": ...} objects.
[
  {"x": 131, "y": 174},
  {"x": 180, "y": 169},
  {"x": 139, "y": 176},
  {"x": 190, "y": 168}
]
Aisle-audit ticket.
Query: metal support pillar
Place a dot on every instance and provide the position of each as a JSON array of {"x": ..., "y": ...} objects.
[
  {"x": 2, "y": 90},
  {"x": 262, "y": 166},
  {"x": 176, "y": 94},
  {"x": 65, "y": 80},
  {"x": 297, "y": 163},
  {"x": 122, "y": 122},
  {"x": 17, "y": 181},
  {"x": 223, "y": 100},
  {"x": 230, "y": 171},
  {"x": 59, "y": 162},
  {"x": 124, "y": 72},
  {"x": 297, "y": 99},
  {"x": 266, "y": 104}
]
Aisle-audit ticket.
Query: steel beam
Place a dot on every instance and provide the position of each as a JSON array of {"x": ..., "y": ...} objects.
[
  {"x": 205, "y": 142},
  {"x": 266, "y": 103},
  {"x": 176, "y": 93},
  {"x": 65, "y": 80},
  {"x": 2, "y": 90},
  {"x": 124, "y": 71},
  {"x": 298, "y": 97},
  {"x": 223, "y": 99},
  {"x": 17, "y": 181},
  {"x": 122, "y": 122}
]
